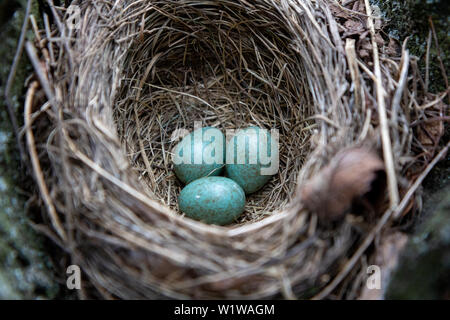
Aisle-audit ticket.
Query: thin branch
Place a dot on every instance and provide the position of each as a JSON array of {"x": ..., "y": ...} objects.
[
  {"x": 385, "y": 138},
  {"x": 11, "y": 76}
]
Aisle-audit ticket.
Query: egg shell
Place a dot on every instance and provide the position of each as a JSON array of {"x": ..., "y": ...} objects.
[
  {"x": 199, "y": 145},
  {"x": 213, "y": 200},
  {"x": 240, "y": 167}
]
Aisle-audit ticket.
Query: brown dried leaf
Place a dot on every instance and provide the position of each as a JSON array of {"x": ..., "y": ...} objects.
[
  {"x": 338, "y": 12},
  {"x": 379, "y": 39},
  {"x": 430, "y": 132},
  {"x": 353, "y": 27},
  {"x": 363, "y": 53},
  {"x": 349, "y": 177},
  {"x": 366, "y": 44}
]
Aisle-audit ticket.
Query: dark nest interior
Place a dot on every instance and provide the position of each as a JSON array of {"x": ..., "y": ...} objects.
[{"x": 109, "y": 94}]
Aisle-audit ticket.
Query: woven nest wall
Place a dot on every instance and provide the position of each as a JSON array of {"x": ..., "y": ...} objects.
[{"x": 111, "y": 93}]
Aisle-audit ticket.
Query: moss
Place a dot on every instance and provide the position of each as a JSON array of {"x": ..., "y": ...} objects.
[
  {"x": 424, "y": 272},
  {"x": 26, "y": 271},
  {"x": 410, "y": 18}
]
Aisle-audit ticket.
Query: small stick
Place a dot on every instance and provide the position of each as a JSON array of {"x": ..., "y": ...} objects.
[{"x": 36, "y": 165}]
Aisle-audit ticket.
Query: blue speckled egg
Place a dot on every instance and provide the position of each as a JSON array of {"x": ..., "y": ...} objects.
[
  {"x": 213, "y": 200},
  {"x": 252, "y": 158},
  {"x": 199, "y": 154}
]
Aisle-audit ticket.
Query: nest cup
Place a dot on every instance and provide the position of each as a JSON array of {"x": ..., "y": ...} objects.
[
  {"x": 218, "y": 64},
  {"x": 129, "y": 76}
]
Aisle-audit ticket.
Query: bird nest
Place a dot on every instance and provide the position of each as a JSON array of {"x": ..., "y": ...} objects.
[{"x": 116, "y": 80}]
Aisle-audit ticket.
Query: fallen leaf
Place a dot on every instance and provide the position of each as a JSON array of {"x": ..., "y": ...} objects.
[{"x": 354, "y": 176}]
